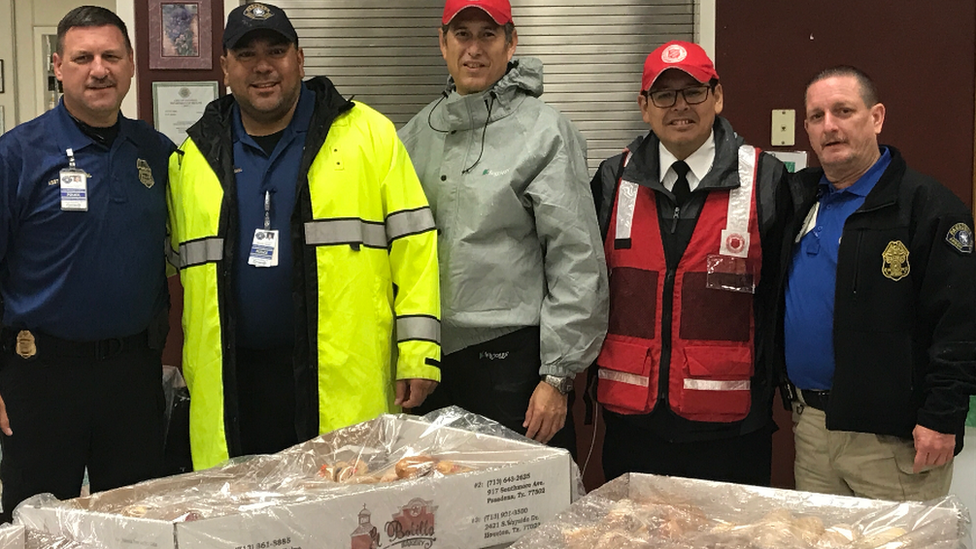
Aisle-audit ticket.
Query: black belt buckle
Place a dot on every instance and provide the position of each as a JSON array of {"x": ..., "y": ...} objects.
[{"x": 815, "y": 399}]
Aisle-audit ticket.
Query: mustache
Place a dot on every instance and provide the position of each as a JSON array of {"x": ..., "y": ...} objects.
[{"x": 99, "y": 83}]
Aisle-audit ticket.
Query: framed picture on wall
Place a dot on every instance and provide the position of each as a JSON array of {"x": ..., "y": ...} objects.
[{"x": 180, "y": 34}]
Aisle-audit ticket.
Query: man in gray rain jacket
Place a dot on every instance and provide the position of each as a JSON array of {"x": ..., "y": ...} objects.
[{"x": 524, "y": 286}]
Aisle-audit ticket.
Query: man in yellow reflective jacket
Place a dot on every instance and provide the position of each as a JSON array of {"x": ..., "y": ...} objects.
[{"x": 306, "y": 248}]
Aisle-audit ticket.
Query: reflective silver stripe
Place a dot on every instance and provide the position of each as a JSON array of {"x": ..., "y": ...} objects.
[
  {"x": 418, "y": 327},
  {"x": 405, "y": 223},
  {"x": 345, "y": 231},
  {"x": 201, "y": 251},
  {"x": 735, "y": 237},
  {"x": 715, "y": 385},
  {"x": 171, "y": 255},
  {"x": 622, "y": 377},
  {"x": 626, "y": 201}
]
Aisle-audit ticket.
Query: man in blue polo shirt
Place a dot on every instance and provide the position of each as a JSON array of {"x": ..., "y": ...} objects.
[
  {"x": 880, "y": 308},
  {"x": 82, "y": 276}
]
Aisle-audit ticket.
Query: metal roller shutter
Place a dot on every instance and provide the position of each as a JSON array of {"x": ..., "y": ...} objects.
[{"x": 385, "y": 53}]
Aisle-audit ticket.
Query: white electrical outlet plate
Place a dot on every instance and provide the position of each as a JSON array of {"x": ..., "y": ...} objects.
[{"x": 784, "y": 128}]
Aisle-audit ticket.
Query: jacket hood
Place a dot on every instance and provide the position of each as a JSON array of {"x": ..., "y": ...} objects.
[{"x": 463, "y": 112}]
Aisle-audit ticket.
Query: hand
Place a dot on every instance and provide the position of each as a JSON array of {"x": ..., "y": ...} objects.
[
  {"x": 546, "y": 414},
  {"x": 4, "y": 420},
  {"x": 932, "y": 448},
  {"x": 411, "y": 393}
]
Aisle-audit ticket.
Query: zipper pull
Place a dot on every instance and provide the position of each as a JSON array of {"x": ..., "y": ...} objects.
[{"x": 674, "y": 219}]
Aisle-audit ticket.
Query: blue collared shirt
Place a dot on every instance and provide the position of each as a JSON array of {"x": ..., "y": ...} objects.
[
  {"x": 82, "y": 275},
  {"x": 264, "y": 294},
  {"x": 812, "y": 281}
]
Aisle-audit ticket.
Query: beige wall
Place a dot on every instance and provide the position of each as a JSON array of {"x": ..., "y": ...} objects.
[
  {"x": 7, "y": 98},
  {"x": 18, "y": 18}
]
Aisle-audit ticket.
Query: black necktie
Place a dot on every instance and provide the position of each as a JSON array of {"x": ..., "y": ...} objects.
[{"x": 681, "y": 190}]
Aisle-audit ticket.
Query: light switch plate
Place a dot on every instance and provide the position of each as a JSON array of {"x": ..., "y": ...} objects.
[{"x": 784, "y": 128}]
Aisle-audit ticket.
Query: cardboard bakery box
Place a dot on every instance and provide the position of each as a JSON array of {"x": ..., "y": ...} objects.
[
  {"x": 468, "y": 487},
  {"x": 640, "y": 511}
]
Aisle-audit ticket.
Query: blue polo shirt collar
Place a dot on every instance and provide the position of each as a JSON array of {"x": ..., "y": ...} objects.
[
  {"x": 297, "y": 126},
  {"x": 71, "y": 136},
  {"x": 866, "y": 182}
]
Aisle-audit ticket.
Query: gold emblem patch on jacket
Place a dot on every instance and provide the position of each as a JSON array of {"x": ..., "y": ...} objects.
[
  {"x": 960, "y": 237},
  {"x": 26, "y": 347},
  {"x": 145, "y": 173},
  {"x": 895, "y": 261}
]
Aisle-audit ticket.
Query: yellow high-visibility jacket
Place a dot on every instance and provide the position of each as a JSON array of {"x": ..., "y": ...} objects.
[{"x": 366, "y": 255}]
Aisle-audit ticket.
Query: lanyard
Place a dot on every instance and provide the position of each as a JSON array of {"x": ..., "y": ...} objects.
[
  {"x": 267, "y": 210},
  {"x": 71, "y": 158}
]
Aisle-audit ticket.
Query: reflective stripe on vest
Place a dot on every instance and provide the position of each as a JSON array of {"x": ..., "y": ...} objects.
[
  {"x": 735, "y": 236},
  {"x": 624, "y": 377},
  {"x": 409, "y": 222},
  {"x": 714, "y": 385},
  {"x": 418, "y": 327},
  {"x": 626, "y": 200},
  {"x": 326, "y": 232},
  {"x": 198, "y": 252}
]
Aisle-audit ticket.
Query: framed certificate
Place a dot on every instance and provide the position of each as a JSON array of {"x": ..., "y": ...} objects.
[{"x": 178, "y": 105}]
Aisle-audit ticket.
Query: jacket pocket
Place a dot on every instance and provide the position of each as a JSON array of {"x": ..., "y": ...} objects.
[
  {"x": 715, "y": 384},
  {"x": 627, "y": 376}
]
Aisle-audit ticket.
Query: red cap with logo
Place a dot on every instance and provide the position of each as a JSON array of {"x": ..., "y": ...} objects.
[
  {"x": 499, "y": 10},
  {"x": 684, "y": 56}
]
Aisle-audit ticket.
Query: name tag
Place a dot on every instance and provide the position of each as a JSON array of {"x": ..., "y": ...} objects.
[
  {"x": 264, "y": 249},
  {"x": 74, "y": 190}
]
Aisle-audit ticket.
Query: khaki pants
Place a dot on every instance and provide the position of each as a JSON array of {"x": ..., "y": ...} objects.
[{"x": 860, "y": 464}]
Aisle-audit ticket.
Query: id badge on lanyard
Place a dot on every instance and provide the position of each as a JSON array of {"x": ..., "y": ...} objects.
[
  {"x": 264, "y": 245},
  {"x": 74, "y": 186}
]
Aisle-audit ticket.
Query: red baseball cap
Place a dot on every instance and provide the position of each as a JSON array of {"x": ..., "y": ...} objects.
[
  {"x": 499, "y": 10},
  {"x": 684, "y": 56}
]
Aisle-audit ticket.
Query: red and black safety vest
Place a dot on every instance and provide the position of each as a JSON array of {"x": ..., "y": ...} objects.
[{"x": 706, "y": 303}]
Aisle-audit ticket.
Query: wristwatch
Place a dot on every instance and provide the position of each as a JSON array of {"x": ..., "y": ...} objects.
[{"x": 562, "y": 384}]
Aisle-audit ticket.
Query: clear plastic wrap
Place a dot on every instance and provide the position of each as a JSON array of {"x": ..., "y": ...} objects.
[
  {"x": 11, "y": 536},
  {"x": 638, "y": 511},
  {"x": 452, "y": 479}
]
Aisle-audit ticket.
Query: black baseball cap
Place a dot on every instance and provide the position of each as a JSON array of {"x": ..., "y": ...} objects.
[{"x": 257, "y": 16}]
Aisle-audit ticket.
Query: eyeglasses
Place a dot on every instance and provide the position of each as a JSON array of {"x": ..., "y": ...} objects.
[{"x": 664, "y": 99}]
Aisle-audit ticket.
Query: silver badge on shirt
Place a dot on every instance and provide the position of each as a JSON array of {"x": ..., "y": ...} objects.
[{"x": 145, "y": 173}]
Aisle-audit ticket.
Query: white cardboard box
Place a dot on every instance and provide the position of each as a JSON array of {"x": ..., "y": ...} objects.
[{"x": 518, "y": 486}]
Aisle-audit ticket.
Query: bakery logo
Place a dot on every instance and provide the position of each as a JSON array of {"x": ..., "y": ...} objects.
[
  {"x": 366, "y": 536},
  {"x": 674, "y": 54},
  {"x": 412, "y": 527}
]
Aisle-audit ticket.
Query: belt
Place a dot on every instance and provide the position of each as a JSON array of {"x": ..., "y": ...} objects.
[
  {"x": 26, "y": 343},
  {"x": 815, "y": 399}
]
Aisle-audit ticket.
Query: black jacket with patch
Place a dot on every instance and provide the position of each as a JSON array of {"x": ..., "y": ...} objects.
[{"x": 904, "y": 335}]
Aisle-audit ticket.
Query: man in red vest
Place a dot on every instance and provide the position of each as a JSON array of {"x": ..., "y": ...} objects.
[{"x": 691, "y": 218}]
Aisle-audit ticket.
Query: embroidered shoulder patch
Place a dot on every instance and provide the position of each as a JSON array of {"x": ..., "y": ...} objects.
[{"x": 960, "y": 237}]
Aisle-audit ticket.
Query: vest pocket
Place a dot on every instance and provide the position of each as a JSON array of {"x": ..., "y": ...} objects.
[
  {"x": 627, "y": 376},
  {"x": 714, "y": 384}
]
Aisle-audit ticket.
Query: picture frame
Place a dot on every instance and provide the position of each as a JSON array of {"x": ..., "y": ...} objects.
[
  {"x": 180, "y": 34},
  {"x": 178, "y": 105}
]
